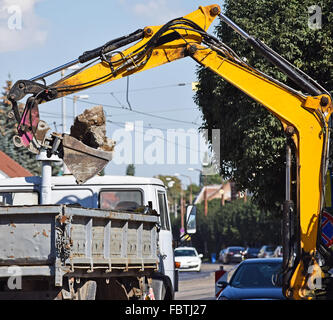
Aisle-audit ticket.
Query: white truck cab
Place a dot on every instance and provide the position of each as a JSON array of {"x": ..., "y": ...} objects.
[{"x": 106, "y": 192}]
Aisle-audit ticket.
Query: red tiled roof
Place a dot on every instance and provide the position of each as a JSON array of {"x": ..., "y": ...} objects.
[{"x": 11, "y": 168}]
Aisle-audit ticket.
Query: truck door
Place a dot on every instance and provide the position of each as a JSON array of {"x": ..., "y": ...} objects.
[{"x": 167, "y": 257}]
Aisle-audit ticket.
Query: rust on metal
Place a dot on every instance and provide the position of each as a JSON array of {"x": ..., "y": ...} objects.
[
  {"x": 62, "y": 219},
  {"x": 82, "y": 161},
  {"x": 214, "y": 11},
  {"x": 148, "y": 32},
  {"x": 41, "y": 131}
]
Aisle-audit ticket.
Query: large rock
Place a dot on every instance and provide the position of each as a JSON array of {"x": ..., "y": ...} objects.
[{"x": 90, "y": 128}]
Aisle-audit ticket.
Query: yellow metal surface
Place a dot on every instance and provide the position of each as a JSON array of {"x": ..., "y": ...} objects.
[
  {"x": 291, "y": 109},
  {"x": 173, "y": 50}
]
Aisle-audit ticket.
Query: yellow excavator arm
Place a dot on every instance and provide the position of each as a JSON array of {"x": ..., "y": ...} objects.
[{"x": 304, "y": 117}]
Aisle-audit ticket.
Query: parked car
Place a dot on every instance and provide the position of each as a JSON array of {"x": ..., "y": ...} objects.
[
  {"x": 250, "y": 253},
  {"x": 232, "y": 254},
  {"x": 254, "y": 279},
  {"x": 188, "y": 258},
  {"x": 221, "y": 255},
  {"x": 266, "y": 252},
  {"x": 278, "y": 252}
]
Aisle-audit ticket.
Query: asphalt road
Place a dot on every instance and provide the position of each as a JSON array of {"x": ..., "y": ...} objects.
[{"x": 199, "y": 285}]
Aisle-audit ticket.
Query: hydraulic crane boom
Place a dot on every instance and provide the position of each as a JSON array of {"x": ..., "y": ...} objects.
[{"x": 304, "y": 117}]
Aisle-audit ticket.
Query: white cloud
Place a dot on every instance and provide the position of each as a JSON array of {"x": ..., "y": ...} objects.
[
  {"x": 155, "y": 11},
  {"x": 20, "y": 27}
]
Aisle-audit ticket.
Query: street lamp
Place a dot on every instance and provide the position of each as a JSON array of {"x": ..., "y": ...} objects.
[
  {"x": 63, "y": 104},
  {"x": 75, "y": 98},
  {"x": 63, "y": 101}
]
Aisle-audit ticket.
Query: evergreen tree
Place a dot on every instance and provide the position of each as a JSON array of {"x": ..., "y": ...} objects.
[{"x": 252, "y": 139}]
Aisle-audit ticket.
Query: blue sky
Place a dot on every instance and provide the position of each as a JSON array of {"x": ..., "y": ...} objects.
[{"x": 52, "y": 33}]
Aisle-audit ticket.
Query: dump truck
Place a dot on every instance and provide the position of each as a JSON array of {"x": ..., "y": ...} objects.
[{"x": 107, "y": 239}]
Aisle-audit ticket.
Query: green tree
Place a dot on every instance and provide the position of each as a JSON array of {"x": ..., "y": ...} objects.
[
  {"x": 8, "y": 129},
  {"x": 211, "y": 179},
  {"x": 130, "y": 170},
  {"x": 252, "y": 140},
  {"x": 235, "y": 223}
]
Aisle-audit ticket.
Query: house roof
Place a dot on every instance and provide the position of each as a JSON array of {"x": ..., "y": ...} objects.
[
  {"x": 212, "y": 192},
  {"x": 11, "y": 168}
]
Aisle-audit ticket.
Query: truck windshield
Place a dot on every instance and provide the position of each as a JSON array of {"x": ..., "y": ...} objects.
[{"x": 125, "y": 200}]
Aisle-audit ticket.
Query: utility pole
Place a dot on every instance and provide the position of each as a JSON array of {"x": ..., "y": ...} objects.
[
  {"x": 75, "y": 98},
  {"x": 182, "y": 229},
  {"x": 63, "y": 105},
  {"x": 206, "y": 201}
]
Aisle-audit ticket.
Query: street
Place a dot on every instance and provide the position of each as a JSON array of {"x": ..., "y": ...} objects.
[{"x": 199, "y": 285}]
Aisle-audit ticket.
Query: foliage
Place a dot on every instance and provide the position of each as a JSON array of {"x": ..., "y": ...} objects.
[
  {"x": 235, "y": 223},
  {"x": 173, "y": 185},
  {"x": 252, "y": 140},
  {"x": 209, "y": 179},
  {"x": 130, "y": 170}
]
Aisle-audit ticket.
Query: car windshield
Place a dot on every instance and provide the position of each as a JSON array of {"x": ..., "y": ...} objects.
[
  {"x": 185, "y": 253},
  {"x": 256, "y": 275},
  {"x": 236, "y": 249},
  {"x": 270, "y": 248}
]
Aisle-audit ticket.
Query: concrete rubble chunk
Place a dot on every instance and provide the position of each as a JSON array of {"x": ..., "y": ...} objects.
[{"x": 90, "y": 128}]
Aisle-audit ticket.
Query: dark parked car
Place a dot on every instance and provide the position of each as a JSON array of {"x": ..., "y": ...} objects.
[
  {"x": 266, "y": 252},
  {"x": 232, "y": 254},
  {"x": 254, "y": 279},
  {"x": 250, "y": 253}
]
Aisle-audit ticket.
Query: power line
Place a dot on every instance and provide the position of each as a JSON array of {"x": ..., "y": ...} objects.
[
  {"x": 182, "y": 84},
  {"x": 121, "y": 124},
  {"x": 136, "y": 111},
  {"x": 160, "y": 111}
]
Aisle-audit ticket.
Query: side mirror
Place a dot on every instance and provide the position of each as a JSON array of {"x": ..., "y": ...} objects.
[
  {"x": 201, "y": 255},
  {"x": 191, "y": 214}
]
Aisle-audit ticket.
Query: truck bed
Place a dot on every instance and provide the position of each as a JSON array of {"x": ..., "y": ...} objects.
[{"x": 57, "y": 240}]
